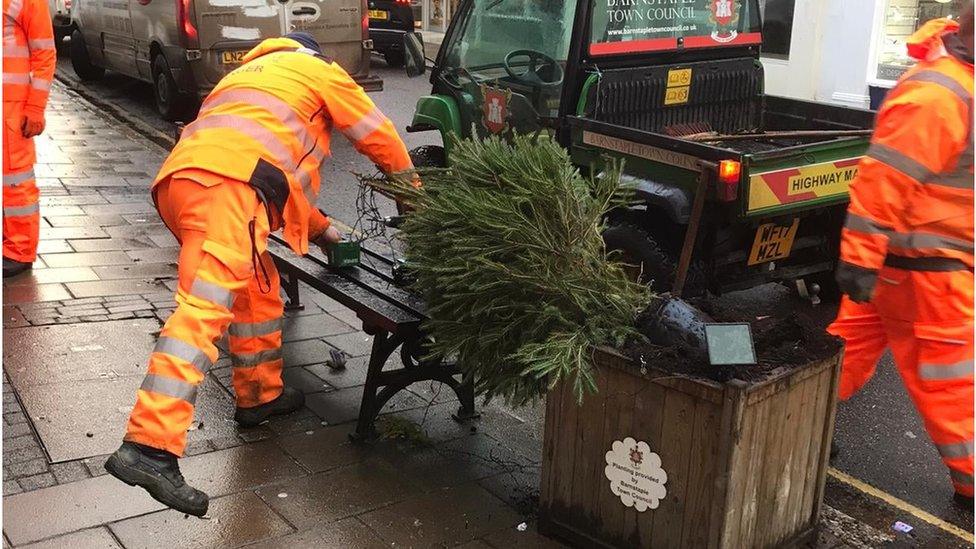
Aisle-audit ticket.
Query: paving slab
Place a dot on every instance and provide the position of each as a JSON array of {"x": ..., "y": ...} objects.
[
  {"x": 313, "y": 326},
  {"x": 232, "y": 521},
  {"x": 49, "y": 512},
  {"x": 54, "y": 247},
  {"x": 89, "y": 259},
  {"x": 337, "y": 494},
  {"x": 240, "y": 468},
  {"x": 530, "y": 538},
  {"x": 35, "y": 294},
  {"x": 51, "y": 276},
  {"x": 342, "y": 406},
  {"x": 444, "y": 517},
  {"x": 353, "y": 344},
  {"x": 111, "y": 287},
  {"x": 353, "y": 375},
  {"x": 324, "y": 449},
  {"x": 347, "y": 534},
  {"x": 95, "y": 538}
]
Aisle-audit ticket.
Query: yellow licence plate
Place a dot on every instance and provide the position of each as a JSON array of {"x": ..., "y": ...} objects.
[
  {"x": 773, "y": 242},
  {"x": 379, "y": 14},
  {"x": 232, "y": 57}
]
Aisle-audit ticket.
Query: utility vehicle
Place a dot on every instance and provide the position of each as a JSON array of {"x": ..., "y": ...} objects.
[{"x": 676, "y": 88}]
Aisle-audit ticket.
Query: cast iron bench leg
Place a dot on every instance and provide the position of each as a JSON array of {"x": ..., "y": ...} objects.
[
  {"x": 290, "y": 284},
  {"x": 373, "y": 399},
  {"x": 465, "y": 394}
]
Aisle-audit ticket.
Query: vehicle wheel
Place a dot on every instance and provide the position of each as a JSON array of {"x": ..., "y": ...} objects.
[
  {"x": 80, "y": 61},
  {"x": 170, "y": 103},
  {"x": 395, "y": 58},
  {"x": 429, "y": 156},
  {"x": 648, "y": 261}
]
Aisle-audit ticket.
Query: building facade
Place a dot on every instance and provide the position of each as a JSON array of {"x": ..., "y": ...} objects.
[{"x": 842, "y": 51}]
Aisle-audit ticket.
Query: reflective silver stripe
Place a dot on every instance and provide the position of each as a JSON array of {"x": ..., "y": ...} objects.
[
  {"x": 910, "y": 241},
  {"x": 255, "y": 329},
  {"x": 183, "y": 351},
  {"x": 366, "y": 125},
  {"x": 307, "y": 51},
  {"x": 19, "y": 211},
  {"x": 934, "y": 372},
  {"x": 961, "y": 478},
  {"x": 170, "y": 387},
  {"x": 864, "y": 225},
  {"x": 943, "y": 80},
  {"x": 277, "y": 107},
  {"x": 956, "y": 450},
  {"x": 16, "y": 78},
  {"x": 212, "y": 292},
  {"x": 897, "y": 160},
  {"x": 956, "y": 180},
  {"x": 16, "y": 51},
  {"x": 11, "y": 179},
  {"x": 41, "y": 44},
  {"x": 13, "y": 10},
  {"x": 287, "y": 117},
  {"x": 253, "y": 359},
  {"x": 41, "y": 84},
  {"x": 921, "y": 241},
  {"x": 263, "y": 135}
]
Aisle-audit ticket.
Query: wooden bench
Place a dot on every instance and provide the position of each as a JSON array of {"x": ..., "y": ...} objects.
[{"x": 390, "y": 314}]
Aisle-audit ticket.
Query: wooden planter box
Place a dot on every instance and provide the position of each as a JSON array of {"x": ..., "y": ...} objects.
[{"x": 745, "y": 463}]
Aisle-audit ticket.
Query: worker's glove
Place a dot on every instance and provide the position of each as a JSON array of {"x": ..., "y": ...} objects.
[
  {"x": 856, "y": 282},
  {"x": 328, "y": 237},
  {"x": 32, "y": 124}
]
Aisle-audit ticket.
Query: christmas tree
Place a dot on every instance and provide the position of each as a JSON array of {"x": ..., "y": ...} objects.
[{"x": 505, "y": 249}]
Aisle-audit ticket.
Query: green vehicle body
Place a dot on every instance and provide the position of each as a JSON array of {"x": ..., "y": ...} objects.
[{"x": 665, "y": 169}]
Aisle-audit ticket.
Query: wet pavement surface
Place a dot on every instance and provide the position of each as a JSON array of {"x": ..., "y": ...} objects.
[{"x": 105, "y": 279}]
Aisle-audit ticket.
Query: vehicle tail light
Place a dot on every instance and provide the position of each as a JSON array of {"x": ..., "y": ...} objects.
[
  {"x": 365, "y": 21},
  {"x": 729, "y": 172},
  {"x": 403, "y": 2},
  {"x": 189, "y": 38}
]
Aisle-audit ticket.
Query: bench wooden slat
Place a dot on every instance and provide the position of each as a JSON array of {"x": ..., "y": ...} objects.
[{"x": 368, "y": 305}]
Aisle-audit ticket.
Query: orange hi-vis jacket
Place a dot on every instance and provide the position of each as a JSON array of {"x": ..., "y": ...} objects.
[
  {"x": 912, "y": 201},
  {"x": 28, "y": 54},
  {"x": 268, "y": 124}
]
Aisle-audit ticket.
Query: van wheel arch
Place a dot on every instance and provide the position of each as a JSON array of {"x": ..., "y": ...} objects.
[{"x": 170, "y": 102}]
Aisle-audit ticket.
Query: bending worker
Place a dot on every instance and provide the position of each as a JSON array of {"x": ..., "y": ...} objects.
[
  {"x": 247, "y": 166},
  {"x": 907, "y": 246},
  {"x": 28, "y": 67}
]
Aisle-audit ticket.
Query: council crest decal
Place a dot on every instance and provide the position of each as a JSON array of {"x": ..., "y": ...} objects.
[
  {"x": 635, "y": 474},
  {"x": 495, "y": 108},
  {"x": 725, "y": 16}
]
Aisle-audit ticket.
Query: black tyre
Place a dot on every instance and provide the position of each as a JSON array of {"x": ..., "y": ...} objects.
[
  {"x": 429, "y": 156},
  {"x": 647, "y": 260},
  {"x": 395, "y": 58},
  {"x": 80, "y": 60},
  {"x": 170, "y": 103}
]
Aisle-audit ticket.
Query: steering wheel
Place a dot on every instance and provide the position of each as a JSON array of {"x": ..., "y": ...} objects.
[{"x": 537, "y": 61}]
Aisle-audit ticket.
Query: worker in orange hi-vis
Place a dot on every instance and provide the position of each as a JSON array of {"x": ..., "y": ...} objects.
[
  {"x": 247, "y": 166},
  {"x": 906, "y": 262},
  {"x": 28, "y": 67}
]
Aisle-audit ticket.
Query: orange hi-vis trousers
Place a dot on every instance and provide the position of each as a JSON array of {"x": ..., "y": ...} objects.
[
  {"x": 21, "y": 213},
  {"x": 223, "y": 231},
  {"x": 926, "y": 318}
]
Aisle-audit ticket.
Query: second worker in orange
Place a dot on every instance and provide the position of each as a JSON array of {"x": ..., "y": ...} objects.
[{"x": 247, "y": 166}]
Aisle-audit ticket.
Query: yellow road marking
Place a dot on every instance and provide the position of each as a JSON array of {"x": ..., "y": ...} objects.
[{"x": 902, "y": 505}]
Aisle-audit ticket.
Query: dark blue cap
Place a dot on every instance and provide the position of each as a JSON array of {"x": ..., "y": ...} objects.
[{"x": 306, "y": 40}]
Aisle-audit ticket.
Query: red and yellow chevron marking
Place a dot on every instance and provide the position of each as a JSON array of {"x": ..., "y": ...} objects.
[{"x": 792, "y": 185}]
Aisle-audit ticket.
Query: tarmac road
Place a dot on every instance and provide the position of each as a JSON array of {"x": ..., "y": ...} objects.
[{"x": 884, "y": 448}]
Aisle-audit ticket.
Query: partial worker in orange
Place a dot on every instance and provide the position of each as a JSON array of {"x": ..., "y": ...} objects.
[
  {"x": 28, "y": 67},
  {"x": 247, "y": 166},
  {"x": 906, "y": 263}
]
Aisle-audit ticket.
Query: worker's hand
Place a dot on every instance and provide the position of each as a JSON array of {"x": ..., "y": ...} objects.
[
  {"x": 330, "y": 236},
  {"x": 856, "y": 282},
  {"x": 32, "y": 125}
]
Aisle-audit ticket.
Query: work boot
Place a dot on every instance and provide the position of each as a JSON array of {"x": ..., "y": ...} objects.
[
  {"x": 963, "y": 502},
  {"x": 13, "y": 267},
  {"x": 159, "y": 474},
  {"x": 287, "y": 402}
]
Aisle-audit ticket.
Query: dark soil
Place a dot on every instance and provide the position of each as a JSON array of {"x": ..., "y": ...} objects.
[{"x": 783, "y": 336}]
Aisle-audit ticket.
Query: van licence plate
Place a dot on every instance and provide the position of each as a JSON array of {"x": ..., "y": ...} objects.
[
  {"x": 232, "y": 57},
  {"x": 379, "y": 14},
  {"x": 773, "y": 242}
]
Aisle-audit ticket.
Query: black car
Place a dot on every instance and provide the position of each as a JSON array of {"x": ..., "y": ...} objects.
[{"x": 389, "y": 20}]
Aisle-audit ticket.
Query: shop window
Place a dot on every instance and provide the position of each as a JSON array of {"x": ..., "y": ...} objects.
[
  {"x": 777, "y": 28},
  {"x": 901, "y": 19}
]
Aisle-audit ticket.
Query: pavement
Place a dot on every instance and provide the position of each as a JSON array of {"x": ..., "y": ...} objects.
[{"x": 78, "y": 329}]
